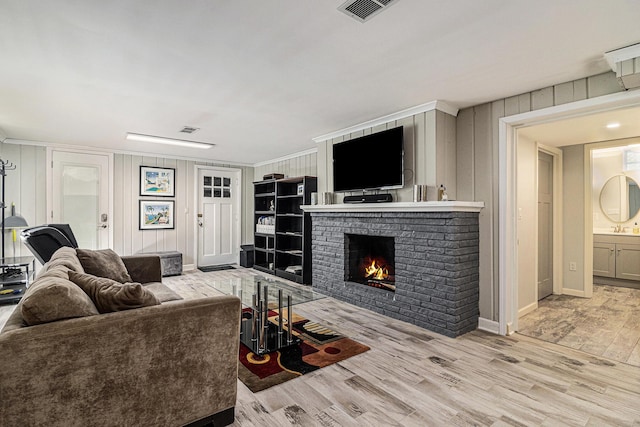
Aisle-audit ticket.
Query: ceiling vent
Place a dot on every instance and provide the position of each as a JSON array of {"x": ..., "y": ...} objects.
[
  {"x": 363, "y": 10},
  {"x": 626, "y": 64},
  {"x": 189, "y": 129}
]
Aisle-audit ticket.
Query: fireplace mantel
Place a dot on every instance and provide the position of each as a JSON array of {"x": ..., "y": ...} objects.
[{"x": 449, "y": 206}]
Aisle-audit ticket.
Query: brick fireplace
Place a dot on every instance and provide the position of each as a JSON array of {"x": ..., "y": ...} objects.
[{"x": 435, "y": 267}]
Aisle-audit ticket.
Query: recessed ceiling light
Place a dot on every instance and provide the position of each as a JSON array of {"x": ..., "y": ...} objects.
[
  {"x": 170, "y": 141},
  {"x": 613, "y": 125}
]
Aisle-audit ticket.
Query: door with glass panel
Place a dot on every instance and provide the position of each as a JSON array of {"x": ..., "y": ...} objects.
[
  {"x": 80, "y": 196},
  {"x": 218, "y": 216}
]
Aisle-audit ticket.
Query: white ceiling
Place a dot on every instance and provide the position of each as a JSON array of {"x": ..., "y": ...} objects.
[
  {"x": 586, "y": 129},
  {"x": 261, "y": 78}
]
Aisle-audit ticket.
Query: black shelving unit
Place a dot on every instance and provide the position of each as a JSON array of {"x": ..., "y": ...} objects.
[
  {"x": 290, "y": 244},
  {"x": 264, "y": 199},
  {"x": 293, "y": 228}
]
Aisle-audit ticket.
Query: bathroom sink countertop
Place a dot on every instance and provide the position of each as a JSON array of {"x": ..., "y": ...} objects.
[{"x": 610, "y": 231}]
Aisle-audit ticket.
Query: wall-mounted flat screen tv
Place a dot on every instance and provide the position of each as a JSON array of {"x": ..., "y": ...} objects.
[{"x": 370, "y": 162}]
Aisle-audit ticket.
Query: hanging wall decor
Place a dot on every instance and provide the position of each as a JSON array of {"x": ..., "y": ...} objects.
[
  {"x": 157, "y": 181},
  {"x": 156, "y": 214}
]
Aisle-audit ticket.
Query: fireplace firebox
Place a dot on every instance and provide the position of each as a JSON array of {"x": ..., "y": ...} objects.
[{"x": 370, "y": 260}]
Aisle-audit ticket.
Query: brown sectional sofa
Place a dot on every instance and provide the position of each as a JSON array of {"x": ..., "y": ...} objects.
[{"x": 170, "y": 364}]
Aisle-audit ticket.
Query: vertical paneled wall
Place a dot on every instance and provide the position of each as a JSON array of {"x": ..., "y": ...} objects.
[
  {"x": 305, "y": 164},
  {"x": 128, "y": 239},
  {"x": 25, "y": 187},
  {"x": 478, "y": 164},
  {"x": 429, "y": 154}
]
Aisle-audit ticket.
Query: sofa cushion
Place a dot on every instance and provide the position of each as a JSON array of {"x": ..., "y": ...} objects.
[
  {"x": 52, "y": 298},
  {"x": 64, "y": 259},
  {"x": 104, "y": 263},
  {"x": 109, "y": 295},
  {"x": 162, "y": 292},
  {"x": 68, "y": 257}
]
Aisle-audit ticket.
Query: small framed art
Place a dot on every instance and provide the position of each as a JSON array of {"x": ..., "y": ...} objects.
[
  {"x": 159, "y": 182},
  {"x": 156, "y": 214}
]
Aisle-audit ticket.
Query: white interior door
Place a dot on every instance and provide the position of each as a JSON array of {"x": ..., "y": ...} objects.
[
  {"x": 218, "y": 216},
  {"x": 79, "y": 186}
]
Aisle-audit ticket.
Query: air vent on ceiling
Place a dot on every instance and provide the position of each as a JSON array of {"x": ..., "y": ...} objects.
[
  {"x": 189, "y": 129},
  {"x": 363, "y": 10}
]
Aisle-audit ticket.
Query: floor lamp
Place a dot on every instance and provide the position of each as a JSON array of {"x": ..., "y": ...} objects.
[
  {"x": 13, "y": 222},
  {"x": 5, "y": 166}
]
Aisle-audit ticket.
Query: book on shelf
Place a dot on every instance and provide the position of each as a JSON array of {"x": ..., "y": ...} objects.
[
  {"x": 294, "y": 252},
  {"x": 295, "y": 269}
]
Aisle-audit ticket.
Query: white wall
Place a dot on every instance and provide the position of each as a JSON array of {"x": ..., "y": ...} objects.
[
  {"x": 474, "y": 170},
  {"x": 26, "y": 187},
  {"x": 527, "y": 187},
  {"x": 429, "y": 155},
  {"x": 128, "y": 239},
  {"x": 302, "y": 165},
  {"x": 573, "y": 224},
  {"x": 478, "y": 168}
]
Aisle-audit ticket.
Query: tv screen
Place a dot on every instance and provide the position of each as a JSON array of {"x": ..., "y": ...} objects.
[{"x": 370, "y": 162}]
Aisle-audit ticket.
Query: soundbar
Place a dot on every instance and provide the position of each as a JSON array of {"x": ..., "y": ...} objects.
[{"x": 369, "y": 198}]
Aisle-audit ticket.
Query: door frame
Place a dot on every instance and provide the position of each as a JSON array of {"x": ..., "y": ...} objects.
[
  {"x": 557, "y": 236},
  {"x": 49, "y": 178},
  {"x": 196, "y": 196},
  {"x": 507, "y": 211}
]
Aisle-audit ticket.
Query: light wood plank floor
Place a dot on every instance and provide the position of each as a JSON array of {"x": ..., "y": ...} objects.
[
  {"x": 414, "y": 377},
  {"x": 608, "y": 324}
]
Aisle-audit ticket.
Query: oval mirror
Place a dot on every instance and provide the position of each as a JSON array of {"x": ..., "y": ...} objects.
[{"x": 620, "y": 198}]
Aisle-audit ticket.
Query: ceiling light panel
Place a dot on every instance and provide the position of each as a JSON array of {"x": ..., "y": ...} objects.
[{"x": 169, "y": 141}]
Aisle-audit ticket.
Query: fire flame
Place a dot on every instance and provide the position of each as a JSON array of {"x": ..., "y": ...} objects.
[{"x": 375, "y": 271}]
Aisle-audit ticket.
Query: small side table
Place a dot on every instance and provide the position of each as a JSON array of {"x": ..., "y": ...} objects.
[{"x": 15, "y": 274}]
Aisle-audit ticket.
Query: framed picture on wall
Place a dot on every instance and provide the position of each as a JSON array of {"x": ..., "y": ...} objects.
[
  {"x": 156, "y": 214},
  {"x": 157, "y": 181}
]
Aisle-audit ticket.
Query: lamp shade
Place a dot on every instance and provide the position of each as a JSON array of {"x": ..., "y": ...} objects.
[{"x": 14, "y": 221}]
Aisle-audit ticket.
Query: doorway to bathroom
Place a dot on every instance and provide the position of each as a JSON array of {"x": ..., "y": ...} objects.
[{"x": 587, "y": 311}]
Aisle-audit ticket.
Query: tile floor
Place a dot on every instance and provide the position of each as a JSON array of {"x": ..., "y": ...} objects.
[{"x": 606, "y": 325}]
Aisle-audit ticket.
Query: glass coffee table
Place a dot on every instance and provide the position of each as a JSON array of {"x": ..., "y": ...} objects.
[{"x": 267, "y": 310}]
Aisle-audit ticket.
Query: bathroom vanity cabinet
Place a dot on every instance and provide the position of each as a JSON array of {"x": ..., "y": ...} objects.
[{"x": 616, "y": 256}]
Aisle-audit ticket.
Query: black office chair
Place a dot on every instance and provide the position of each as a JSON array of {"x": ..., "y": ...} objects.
[
  {"x": 66, "y": 230},
  {"x": 44, "y": 240}
]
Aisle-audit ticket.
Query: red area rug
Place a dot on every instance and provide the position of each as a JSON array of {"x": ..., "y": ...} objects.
[{"x": 320, "y": 347}]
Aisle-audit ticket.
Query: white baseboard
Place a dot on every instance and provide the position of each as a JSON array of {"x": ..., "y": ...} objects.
[
  {"x": 573, "y": 292},
  {"x": 528, "y": 309},
  {"x": 489, "y": 326},
  {"x": 188, "y": 267}
]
